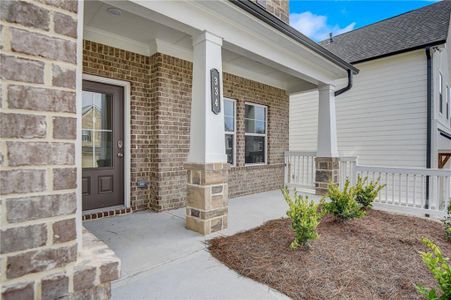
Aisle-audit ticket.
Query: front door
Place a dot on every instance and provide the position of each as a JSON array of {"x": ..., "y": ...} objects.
[{"x": 102, "y": 145}]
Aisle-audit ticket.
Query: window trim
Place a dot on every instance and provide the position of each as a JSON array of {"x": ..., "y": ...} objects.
[
  {"x": 440, "y": 92},
  {"x": 448, "y": 100},
  {"x": 256, "y": 134},
  {"x": 234, "y": 128}
]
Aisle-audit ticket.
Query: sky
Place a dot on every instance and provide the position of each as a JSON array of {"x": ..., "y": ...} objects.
[{"x": 317, "y": 18}]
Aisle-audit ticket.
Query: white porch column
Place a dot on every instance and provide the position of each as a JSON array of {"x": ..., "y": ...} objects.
[
  {"x": 207, "y": 128},
  {"x": 327, "y": 122},
  {"x": 327, "y": 161},
  {"x": 207, "y": 198}
]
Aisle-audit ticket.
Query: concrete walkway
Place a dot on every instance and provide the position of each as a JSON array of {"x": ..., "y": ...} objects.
[{"x": 163, "y": 260}]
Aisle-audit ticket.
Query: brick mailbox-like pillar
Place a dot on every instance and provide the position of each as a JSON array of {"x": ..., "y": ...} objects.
[
  {"x": 40, "y": 253},
  {"x": 327, "y": 171},
  {"x": 206, "y": 208}
]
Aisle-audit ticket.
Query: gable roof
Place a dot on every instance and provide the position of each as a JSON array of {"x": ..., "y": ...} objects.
[{"x": 409, "y": 31}]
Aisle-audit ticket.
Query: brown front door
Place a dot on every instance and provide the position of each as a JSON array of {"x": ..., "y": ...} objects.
[{"x": 102, "y": 145}]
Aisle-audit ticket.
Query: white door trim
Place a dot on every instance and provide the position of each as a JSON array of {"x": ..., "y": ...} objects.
[{"x": 127, "y": 134}]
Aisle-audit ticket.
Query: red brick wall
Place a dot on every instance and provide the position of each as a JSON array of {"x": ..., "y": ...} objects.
[{"x": 161, "y": 106}]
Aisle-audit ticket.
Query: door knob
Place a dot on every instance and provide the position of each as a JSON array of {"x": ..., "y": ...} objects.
[{"x": 120, "y": 155}]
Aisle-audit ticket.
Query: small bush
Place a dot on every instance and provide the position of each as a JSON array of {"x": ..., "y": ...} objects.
[
  {"x": 447, "y": 224},
  {"x": 366, "y": 193},
  {"x": 305, "y": 217},
  {"x": 441, "y": 271},
  {"x": 343, "y": 204}
]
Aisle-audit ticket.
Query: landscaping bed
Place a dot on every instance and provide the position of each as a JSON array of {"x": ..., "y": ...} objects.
[{"x": 374, "y": 257}]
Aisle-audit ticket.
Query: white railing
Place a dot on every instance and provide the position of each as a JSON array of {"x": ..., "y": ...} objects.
[
  {"x": 407, "y": 188},
  {"x": 300, "y": 170},
  {"x": 410, "y": 190},
  {"x": 347, "y": 169}
]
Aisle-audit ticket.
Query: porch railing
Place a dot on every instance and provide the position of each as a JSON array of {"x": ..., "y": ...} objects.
[
  {"x": 409, "y": 190},
  {"x": 300, "y": 170},
  {"x": 415, "y": 190}
]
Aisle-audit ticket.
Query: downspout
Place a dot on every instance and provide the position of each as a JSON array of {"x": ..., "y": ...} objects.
[
  {"x": 346, "y": 88},
  {"x": 428, "y": 119}
]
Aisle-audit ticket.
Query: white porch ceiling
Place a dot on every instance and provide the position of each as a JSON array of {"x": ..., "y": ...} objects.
[{"x": 141, "y": 35}]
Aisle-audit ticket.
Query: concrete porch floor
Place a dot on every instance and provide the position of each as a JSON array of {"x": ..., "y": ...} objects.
[{"x": 163, "y": 260}]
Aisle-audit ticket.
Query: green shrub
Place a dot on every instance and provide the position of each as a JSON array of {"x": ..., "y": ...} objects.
[
  {"x": 305, "y": 217},
  {"x": 343, "y": 204},
  {"x": 441, "y": 271},
  {"x": 366, "y": 192},
  {"x": 447, "y": 224}
]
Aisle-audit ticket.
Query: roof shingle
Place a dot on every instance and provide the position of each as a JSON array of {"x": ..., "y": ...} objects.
[{"x": 421, "y": 27}]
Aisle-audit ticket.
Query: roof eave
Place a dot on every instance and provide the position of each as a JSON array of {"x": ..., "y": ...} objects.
[
  {"x": 270, "y": 19},
  {"x": 436, "y": 43}
]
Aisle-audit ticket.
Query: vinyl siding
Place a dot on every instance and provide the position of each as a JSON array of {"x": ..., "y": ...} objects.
[{"x": 382, "y": 119}]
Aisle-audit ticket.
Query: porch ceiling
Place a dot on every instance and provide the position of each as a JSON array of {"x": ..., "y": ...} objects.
[{"x": 145, "y": 36}]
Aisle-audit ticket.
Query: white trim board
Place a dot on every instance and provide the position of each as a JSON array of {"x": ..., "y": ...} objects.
[{"x": 127, "y": 133}]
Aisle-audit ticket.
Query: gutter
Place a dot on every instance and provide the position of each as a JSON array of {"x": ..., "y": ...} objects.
[
  {"x": 428, "y": 119},
  {"x": 261, "y": 13},
  {"x": 346, "y": 88}
]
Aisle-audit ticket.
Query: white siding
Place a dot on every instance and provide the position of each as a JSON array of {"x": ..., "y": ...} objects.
[{"x": 382, "y": 119}]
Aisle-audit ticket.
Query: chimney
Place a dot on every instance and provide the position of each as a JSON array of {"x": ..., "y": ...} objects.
[
  {"x": 331, "y": 38},
  {"x": 279, "y": 8}
]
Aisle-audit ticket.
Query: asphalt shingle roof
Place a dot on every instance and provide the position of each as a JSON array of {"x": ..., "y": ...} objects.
[{"x": 410, "y": 30}]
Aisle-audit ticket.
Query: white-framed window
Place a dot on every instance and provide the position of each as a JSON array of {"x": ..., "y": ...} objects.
[
  {"x": 230, "y": 130},
  {"x": 448, "y": 100},
  {"x": 255, "y": 140},
  {"x": 440, "y": 91}
]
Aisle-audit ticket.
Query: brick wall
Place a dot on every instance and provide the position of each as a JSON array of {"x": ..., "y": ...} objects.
[
  {"x": 279, "y": 8},
  {"x": 38, "y": 239},
  {"x": 105, "y": 61},
  {"x": 253, "y": 179},
  {"x": 171, "y": 97},
  {"x": 161, "y": 105}
]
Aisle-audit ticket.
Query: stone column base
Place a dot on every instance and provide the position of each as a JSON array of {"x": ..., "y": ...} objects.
[
  {"x": 327, "y": 171},
  {"x": 207, "y": 197}
]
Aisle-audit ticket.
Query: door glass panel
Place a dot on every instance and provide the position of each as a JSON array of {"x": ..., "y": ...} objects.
[
  {"x": 97, "y": 131},
  {"x": 103, "y": 150}
]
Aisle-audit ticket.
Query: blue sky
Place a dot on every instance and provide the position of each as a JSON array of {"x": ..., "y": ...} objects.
[{"x": 316, "y": 18}]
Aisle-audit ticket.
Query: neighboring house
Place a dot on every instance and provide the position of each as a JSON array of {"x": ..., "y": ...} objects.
[
  {"x": 115, "y": 106},
  {"x": 383, "y": 119}
]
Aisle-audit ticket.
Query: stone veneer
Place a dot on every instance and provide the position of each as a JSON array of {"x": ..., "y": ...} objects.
[
  {"x": 161, "y": 106},
  {"x": 327, "y": 171},
  {"x": 39, "y": 253},
  {"x": 207, "y": 199}
]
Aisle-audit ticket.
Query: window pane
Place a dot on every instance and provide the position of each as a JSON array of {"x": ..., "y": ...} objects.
[
  {"x": 229, "y": 124},
  {"x": 260, "y": 127},
  {"x": 97, "y": 110},
  {"x": 229, "y": 109},
  {"x": 254, "y": 149},
  {"x": 87, "y": 149},
  {"x": 229, "y": 148},
  {"x": 249, "y": 112},
  {"x": 260, "y": 113},
  {"x": 249, "y": 125},
  {"x": 103, "y": 149}
]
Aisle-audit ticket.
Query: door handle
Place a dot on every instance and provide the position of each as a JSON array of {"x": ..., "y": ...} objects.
[{"x": 120, "y": 155}]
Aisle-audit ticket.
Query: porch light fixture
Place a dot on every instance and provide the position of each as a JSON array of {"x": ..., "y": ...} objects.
[{"x": 114, "y": 11}]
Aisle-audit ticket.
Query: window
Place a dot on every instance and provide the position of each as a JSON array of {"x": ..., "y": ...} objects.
[
  {"x": 448, "y": 100},
  {"x": 255, "y": 134},
  {"x": 440, "y": 91},
  {"x": 230, "y": 130}
]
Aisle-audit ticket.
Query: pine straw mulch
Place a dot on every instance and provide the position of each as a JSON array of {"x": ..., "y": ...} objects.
[{"x": 375, "y": 257}]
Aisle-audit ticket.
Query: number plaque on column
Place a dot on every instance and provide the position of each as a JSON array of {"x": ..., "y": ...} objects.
[{"x": 215, "y": 91}]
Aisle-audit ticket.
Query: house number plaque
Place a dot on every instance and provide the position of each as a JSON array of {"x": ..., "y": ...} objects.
[{"x": 215, "y": 91}]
